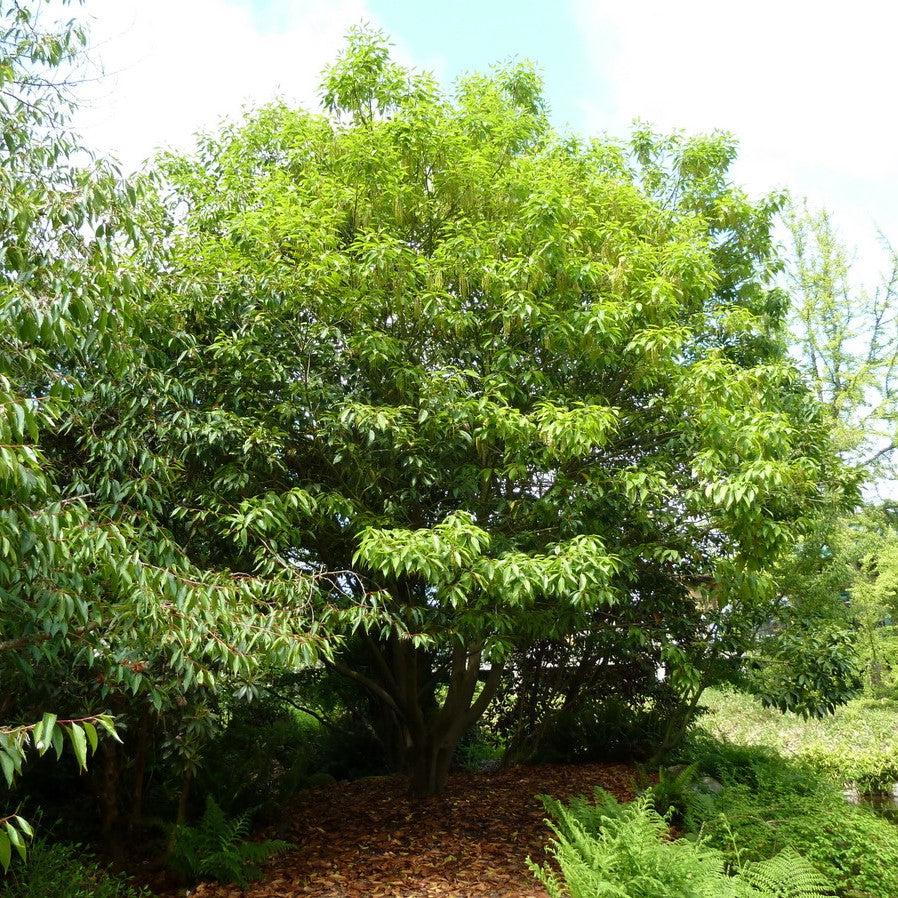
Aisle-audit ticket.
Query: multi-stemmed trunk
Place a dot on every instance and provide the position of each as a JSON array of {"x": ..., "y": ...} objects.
[{"x": 427, "y": 732}]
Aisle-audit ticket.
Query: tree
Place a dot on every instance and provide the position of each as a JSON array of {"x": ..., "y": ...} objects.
[
  {"x": 479, "y": 379},
  {"x": 100, "y": 611},
  {"x": 48, "y": 279},
  {"x": 845, "y": 338}
]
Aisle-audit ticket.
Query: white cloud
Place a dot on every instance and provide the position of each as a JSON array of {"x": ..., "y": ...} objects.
[
  {"x": 807, "y": 86},
  {"x": 173, "y": 67}
]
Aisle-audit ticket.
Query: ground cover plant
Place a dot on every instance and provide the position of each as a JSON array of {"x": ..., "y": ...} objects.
[
  {"x": 769, "y": 803},
  {"x": 603, "y": 848},
  {"x": 857, "y": 745}
]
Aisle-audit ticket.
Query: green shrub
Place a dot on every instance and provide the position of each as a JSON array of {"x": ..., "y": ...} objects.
[
  {"x": 263, "y": 756},
  {"x": 760, "y": 767},
  {"x": 610, "y": 727},
  {"x": 217, "y": 848},
  {"x": 64, "y": 871},
  {"x": 270, "y": 750},
  {"x": 853, "y": 847},
  {"x": 478, "y": 748},
  {"x": 770, "y": 804},
  {"x": 608, "y": 850},
  {"x": 857, "y": 745}
]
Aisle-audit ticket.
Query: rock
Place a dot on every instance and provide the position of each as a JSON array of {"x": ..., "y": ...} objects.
[{"x": 709, "y": 784}]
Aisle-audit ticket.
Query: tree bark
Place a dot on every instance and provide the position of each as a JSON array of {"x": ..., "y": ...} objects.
[
  {"x": 107, "y": 782},
  {"x": 144, "y": 727},
  {"x": 424, "y": 734}
]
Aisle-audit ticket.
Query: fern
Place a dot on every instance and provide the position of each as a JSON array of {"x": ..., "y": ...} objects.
[
  {"x": 217, "y": 848},
  {"x": 787, "y": 875},
  {"x": 678, "y": 798},
  {"x": 610, "y": 850}
]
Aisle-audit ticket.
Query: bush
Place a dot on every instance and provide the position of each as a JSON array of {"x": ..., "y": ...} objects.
[
  {"x": 614, "y": 727},
  {"x": 264, "y": 755},
  {"x": 270, "y": 750},
  {"x": 217, "y": 848},
  {"x": 64, "y": 871},
  {"x": 479, "y": 749},
  {"x": 770, "y": 804},
  {"x": 857, "y": 745},
  {"x": 608, "y": 849}
]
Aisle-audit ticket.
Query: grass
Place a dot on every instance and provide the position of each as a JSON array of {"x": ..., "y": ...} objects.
[{"x": 857, "y": 746}]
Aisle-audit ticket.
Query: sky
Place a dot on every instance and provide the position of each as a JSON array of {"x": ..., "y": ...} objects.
[{"x": 807, "y": 86}]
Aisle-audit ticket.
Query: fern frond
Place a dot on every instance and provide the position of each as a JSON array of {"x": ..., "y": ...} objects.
[
  {"x": 786, "y": 875},
  {"x": 217, "y": 848}
]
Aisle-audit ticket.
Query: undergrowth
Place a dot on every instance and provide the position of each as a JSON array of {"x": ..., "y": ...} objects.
[
  {"x": 64, "y": 871},
  {"x": 604, "y": 849},
  {"x": 770, "y": 804},
  {"x": 218, "y": 848}
]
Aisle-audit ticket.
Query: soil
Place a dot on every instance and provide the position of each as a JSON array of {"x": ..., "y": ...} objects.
[{"x": 369, "y": 839}]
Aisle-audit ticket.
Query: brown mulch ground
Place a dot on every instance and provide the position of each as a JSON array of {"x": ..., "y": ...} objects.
[{"x": 368, "y": 839}]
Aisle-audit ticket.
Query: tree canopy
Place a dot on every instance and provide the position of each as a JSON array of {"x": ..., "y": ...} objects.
[{"x": 450, "y": 382}]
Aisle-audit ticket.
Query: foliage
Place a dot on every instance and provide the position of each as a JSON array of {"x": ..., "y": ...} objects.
[
  {"x": 607, "y": 849},
  {"x": 809, "y": 673},
  {"x": 596, "y": 693},
  {"x": 65, "y": 871},
  {"x": 478, "y": 379},
  {"x": 785, "y": 875},
  {"x": 678, "y": 796},
  {"x": 271, "y": 748},
  {"x": 837, "y": 582},
  {"x": 769, "y": 805},
  {"x": 49, "y": 732},
  {"x": 610, "y": 726},
  {"x": 845, "y": 337},
  {"x": 102, "y": 610},
  {"x": 217, "y": 847},
  {"x": 262, "y": 756},
  {"x": 858, "y": 745}
]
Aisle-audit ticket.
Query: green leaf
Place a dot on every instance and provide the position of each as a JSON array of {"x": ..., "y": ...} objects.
[
  {"x": 79, "y": 744},
  {"x": 108, "y": 724},
  {"x": 43, "y": 732},
  {"x": 16, "y": 840},
  {"x": 57, "y": 741},
  {"x": 5, "y": 851},
  {"x": 91, "y": 731},
  {"x": 25, "y": 826},
  {"x": 9, "y": 768}
]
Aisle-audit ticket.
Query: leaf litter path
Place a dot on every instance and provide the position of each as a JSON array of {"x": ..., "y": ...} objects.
[{"x": 368, "y": 839}]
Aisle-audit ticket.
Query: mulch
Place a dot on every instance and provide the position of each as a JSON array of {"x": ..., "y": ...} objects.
[{"x": 368, "y": 839}]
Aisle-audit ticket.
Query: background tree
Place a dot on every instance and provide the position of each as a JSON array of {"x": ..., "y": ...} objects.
[{"x": 845, "y": 337}]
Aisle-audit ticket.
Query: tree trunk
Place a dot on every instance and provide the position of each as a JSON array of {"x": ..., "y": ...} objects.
[
  {"x": 107, "y": 783},
  {"x": 430, "y": 770},
  {"x": 427, "y": 733},
  {"x": 135, "y": 816},
  {"x": 181, "y": 814}
]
